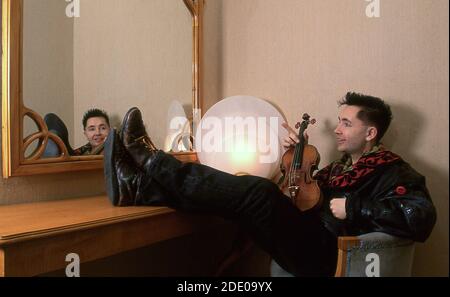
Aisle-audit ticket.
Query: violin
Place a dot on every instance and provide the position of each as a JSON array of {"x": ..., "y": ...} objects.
[{"x": 297, "y": 166}]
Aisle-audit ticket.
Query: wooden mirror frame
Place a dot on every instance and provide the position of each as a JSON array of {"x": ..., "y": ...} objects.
[{"x": 14, "y": 111}]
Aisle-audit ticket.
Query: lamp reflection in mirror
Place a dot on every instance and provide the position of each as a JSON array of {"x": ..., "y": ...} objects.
[
  {"x": 178, "y": 133},
  {"x": 241, "y": 135}
]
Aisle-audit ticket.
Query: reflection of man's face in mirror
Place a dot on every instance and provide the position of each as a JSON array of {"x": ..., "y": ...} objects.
[{"x": 96, "y": 130}]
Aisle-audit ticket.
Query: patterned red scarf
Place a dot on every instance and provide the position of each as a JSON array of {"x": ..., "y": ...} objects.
[{"x": 336, "y": 175}]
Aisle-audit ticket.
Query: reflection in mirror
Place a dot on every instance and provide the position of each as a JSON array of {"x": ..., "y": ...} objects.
[
  {"x": 117, "y": 54},
  {"x": 31, "y": 128}
]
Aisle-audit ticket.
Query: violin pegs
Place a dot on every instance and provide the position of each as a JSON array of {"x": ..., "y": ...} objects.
[
  {"x": 312, "y": 122},
  {"x": 297, "y": 125}
]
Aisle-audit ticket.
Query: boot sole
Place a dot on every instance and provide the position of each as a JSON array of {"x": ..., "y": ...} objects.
[{"x": 112, "y": 186}]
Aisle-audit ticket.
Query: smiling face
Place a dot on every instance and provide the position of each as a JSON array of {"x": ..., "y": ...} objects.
[
  {"x": 353, "y": 136},
  {"x": 96, "y": 130}
]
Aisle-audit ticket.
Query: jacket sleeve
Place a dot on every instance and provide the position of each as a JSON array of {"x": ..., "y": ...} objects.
[{"x": 405, "y": 209}]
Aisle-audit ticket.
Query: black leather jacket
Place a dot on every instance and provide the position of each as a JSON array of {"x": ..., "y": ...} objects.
[{"x": 393, "y": 200}]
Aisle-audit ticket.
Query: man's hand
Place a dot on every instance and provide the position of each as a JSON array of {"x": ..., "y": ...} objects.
[
  {"x": 292, "y": 138},
  {"x": 337, "y": 206}
]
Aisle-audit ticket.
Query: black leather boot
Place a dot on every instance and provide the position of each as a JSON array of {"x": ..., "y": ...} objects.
[
  {"x": 136, "y": 140},
  {"x": 126, "y": 184},
  {"x": 122, "y": 177}
]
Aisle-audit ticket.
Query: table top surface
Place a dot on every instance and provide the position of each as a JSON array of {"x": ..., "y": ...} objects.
[{"x": 40, "y": 218}]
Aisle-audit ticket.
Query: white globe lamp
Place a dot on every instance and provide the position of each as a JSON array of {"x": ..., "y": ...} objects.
[{"x": 241, "y": 135}]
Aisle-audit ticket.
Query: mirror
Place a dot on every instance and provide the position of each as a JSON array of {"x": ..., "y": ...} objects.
[{"x": 65, "y": 57}]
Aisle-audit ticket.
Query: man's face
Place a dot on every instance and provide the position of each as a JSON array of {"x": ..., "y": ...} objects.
[
  {"x": 352, "y": 134},
  {"x": 96, "y": 130}
]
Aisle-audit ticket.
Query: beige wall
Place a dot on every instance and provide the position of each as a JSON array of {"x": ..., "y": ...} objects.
[
  {"x": 304, "y": 55},
  {"x": 132, "y": 53},
  {"x": 48, "y": 61}
]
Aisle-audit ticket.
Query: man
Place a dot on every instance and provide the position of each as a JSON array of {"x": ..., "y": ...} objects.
[
  {"x": 369, "y": 189},
  {"x": 96, "y": 128}
]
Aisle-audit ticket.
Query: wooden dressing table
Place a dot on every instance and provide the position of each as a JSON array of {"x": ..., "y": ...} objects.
[{"x": 36, "y": 237}]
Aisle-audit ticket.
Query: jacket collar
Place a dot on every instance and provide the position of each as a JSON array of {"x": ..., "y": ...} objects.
[{"x": 342, "y": 173}]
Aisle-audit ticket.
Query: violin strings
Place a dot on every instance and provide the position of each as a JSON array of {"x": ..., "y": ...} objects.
[{"x": 296, "y": 156}]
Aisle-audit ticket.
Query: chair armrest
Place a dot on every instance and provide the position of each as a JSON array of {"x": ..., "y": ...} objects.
[
  {"x": 345, "y": 244},
  {"x": 395, "y": 254}
]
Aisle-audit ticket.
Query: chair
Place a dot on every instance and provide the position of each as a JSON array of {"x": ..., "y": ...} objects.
[{"x": 358, "y": 255}]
